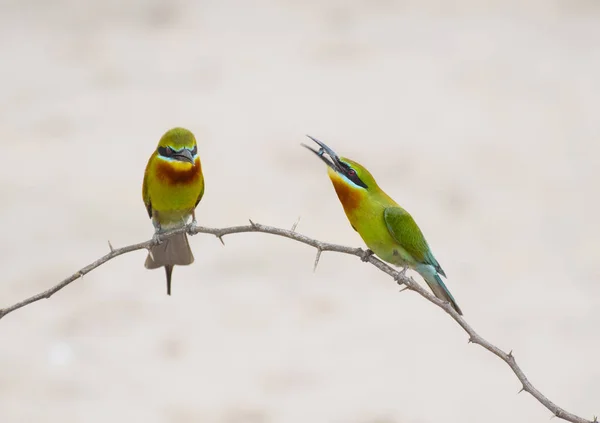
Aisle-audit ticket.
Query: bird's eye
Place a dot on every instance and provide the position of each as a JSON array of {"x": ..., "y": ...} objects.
[
  {"x": 352, "y": 172},
  {"x": 170, "y": 151}
]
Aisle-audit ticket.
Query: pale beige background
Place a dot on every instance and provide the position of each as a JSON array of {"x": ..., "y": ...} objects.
[{"x": 482, "y": 120}]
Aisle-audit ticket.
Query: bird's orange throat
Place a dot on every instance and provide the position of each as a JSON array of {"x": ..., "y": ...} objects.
[
  {"x": 349, "y": 196},
  {"x": 174, "y": 173}
]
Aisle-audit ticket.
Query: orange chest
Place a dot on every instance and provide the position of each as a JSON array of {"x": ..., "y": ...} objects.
[
  {"x": 348, "y": 196},
  {"x": 170, "y": 173}
]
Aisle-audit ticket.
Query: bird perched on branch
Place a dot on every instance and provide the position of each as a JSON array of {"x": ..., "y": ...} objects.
[
  {"x": 388, "y": 230},
  {"x": 173, "y": 186}
]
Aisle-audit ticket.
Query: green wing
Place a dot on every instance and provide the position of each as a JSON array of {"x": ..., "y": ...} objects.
[
  {"x": 405, "y": 231},
  {"x": 200, "y": 195},
  {"x": 146, "y": 195}
]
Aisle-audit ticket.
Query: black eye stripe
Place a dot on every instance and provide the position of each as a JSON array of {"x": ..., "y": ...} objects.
[
  {"x": 165, "y": 151},
  {"x": 352, "y": 175},
  {"x": 169, "y": 152}
]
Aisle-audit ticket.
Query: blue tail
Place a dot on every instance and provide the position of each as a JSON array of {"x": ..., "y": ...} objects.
[{"x": 436, "y": 284}]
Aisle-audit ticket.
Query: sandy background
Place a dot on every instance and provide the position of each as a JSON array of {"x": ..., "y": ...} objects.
[{"x": 481, "y": 120}]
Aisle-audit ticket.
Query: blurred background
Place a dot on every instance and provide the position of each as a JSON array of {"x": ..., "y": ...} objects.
[{"x": 480, "y": 118}]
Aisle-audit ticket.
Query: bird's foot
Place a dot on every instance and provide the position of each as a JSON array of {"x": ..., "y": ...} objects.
[
  {"x": 400, "y": 276},
  {"x": 156, "y": 238},
  {"x": 191, "y": 227},
  {"x": 158, "y": 231},
  {"x": 366, "y": 255}
]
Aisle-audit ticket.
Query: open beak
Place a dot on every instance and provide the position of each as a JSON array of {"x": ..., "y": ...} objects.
[
  {"x": 333, "y": 160},
  {"x": 184, "y": 155}
]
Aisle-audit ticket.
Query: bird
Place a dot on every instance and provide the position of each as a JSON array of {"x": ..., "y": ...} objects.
[
  {"x": 388, "y": 230},
  {"x": 172, "y": 188}
]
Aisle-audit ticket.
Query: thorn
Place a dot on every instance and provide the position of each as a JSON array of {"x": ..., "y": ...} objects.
[
  {"x": 470, "y": 341},
  {"x": 150, "y": 254},
  {"x": 295, "y": 224},
  {"x": 319, "y": 251},
  {"x": 593, "y": 421},
  {"x": 221, "y": 239},
  {"x": 510, "y": 355},
  {"x": 110, "y": 246},
  {"x": 521, "y": 390},
  {"x": 403, "y": 289},
  {"x": 252, "y": 223},
  {"x": 366, "y": 254}
]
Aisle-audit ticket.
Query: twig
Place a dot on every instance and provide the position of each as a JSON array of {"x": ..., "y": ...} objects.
[
  {"x": 317, "y": 258},
  {"x": 295, "y": 225},
  {"x": 364, "y": 255}
]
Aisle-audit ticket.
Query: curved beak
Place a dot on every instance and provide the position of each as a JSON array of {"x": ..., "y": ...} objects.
[
  {"x": 333, "y": 160},
  {"x": 184, "y": 155}
]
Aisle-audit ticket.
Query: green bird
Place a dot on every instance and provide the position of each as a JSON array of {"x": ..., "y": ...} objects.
[
  {"x": 389, "y": 231},
  {"x": 173, "y": 186}
]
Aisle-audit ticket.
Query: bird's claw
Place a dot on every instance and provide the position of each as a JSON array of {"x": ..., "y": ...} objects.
[
  {"x": 401, "y": 275},
  {"x": 366, "y": 254},
  {"x": 156, "y": 238},
  {"x": 191, "y": 227}
]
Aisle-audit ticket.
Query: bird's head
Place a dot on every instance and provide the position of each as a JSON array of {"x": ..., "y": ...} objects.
[
  {"x": 343, "y": 170},
  {"x": 178, "y": 145}
]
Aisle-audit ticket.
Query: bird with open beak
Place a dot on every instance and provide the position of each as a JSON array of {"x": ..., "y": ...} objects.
[{"x": 388, "y": 230}]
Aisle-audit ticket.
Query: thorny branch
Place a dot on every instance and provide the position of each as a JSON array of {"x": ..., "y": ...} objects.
[{"x": 365, "y": 255}]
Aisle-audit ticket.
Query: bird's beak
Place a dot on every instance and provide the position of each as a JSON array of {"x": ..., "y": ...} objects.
[
  {"x": 184, "y": 155},
  {"x": 333, "y": 160}
]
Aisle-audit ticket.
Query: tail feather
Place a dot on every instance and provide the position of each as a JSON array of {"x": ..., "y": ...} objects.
[
  {"x": 169, "y": 272},
  {"x": 431, "y": 276},
  {"x": 174, "y": 250}
]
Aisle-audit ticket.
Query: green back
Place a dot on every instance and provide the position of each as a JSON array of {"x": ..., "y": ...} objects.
[{"x": 407, "y": 234}]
